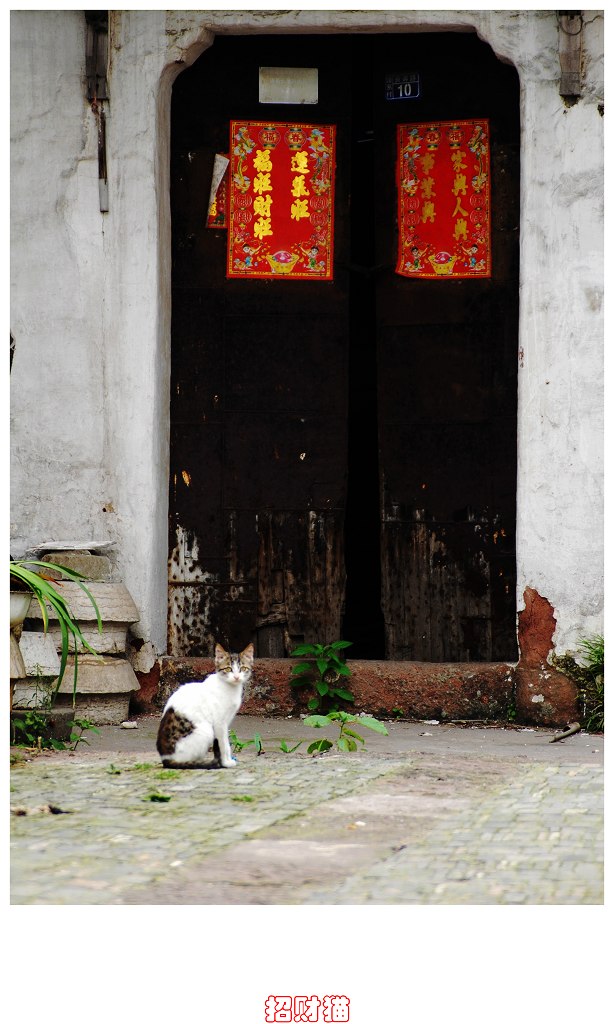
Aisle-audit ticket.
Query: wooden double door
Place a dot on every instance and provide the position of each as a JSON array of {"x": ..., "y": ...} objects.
[{"x": 343, "y": 454}]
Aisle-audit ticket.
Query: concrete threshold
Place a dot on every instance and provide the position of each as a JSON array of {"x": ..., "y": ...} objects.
[{"x": 390, "y": 689}]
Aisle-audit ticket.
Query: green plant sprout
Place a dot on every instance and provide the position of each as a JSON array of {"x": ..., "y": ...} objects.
[
  {"x": 32, "y": 730},
  {"x": 283, "y": 746},
  {"x": 593, "y": 653},
  {"x": 238, "y": 744},
  {"x": 324, "y": 670},
  {"x": 346, "y": 740},
  {"x": 83, "y": 725},
  {"x": 589, "y": 679}
]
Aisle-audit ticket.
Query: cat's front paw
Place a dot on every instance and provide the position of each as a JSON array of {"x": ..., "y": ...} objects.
[{"x": 230, "y": 764}]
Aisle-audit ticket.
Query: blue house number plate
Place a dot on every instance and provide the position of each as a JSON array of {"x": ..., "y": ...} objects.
[{"x": 403, "y": 86}]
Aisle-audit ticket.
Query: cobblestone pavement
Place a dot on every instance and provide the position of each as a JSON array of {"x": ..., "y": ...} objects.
[{"x": 462, "y": 822}]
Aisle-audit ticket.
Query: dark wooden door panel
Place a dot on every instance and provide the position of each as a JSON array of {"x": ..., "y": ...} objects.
[
  {"x": 343, "y": 454},
  {"x": 259, "y": 386},
  {"x": 447, "y": 364},
  {"x": 301, "y": 576}
]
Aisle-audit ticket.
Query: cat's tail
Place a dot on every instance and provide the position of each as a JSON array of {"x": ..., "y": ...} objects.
[{"x": 190, "y": 764}]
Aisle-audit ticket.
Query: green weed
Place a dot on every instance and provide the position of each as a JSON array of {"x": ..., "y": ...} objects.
[
  {"x": 348, "y": 738},
  {"x": 79, "y": 726},
  {"x": 32, "y": 730},
  {"x": 289, "y": 750},
  {"x": 588, "y": 674},
  {"x": 156, "y": 797},
  {"x": 238, "y": 744},
  {"x": 324, "y": 669}
]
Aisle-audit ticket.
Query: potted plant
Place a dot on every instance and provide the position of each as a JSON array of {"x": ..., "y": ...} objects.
[
  {"x": 33, "y": 582},
  {"x": 20, "y": 602}
]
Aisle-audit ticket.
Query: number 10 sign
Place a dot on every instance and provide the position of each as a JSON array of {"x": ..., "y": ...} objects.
[{"x": 403, "y": 86}]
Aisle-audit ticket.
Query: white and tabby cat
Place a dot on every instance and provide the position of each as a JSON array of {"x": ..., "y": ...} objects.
[{"x": 197, "y": 717}]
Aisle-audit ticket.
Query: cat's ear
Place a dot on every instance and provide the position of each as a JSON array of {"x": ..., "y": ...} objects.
[
  {"x": 219, "y": 652},
  {"x": 248, "y": 653}
]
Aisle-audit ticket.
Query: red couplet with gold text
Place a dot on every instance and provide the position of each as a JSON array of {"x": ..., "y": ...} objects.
[
  {"x": 443, "y": 184},
  {"x": 281, "y": 201}
]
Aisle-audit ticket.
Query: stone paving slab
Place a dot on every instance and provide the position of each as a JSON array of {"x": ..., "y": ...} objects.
[
  {"x": 538, "y": 839},
  {"x": 113, "y": 836},
  {"x": 408, "y": 825}
]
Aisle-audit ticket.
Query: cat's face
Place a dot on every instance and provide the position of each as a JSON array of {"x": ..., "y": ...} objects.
[{"x": 234, "y": 668}]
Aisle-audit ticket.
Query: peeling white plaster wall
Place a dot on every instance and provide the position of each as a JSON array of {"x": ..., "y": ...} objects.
[
  {"x": 59, "y": 472},
  {"x": 560, "y": 385},
  {"x": 91, "y": 291}
]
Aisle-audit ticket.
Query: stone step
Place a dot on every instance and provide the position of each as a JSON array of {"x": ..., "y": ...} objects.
[
  {"x": 113, "y": 599},
  {"x": 99, "y": 675},
  {"x": 412, "y": 690},
  {"x": 39, "y": 653},
  {"x": 112, "y": 640},
  {"x": 93, "y": 567}
]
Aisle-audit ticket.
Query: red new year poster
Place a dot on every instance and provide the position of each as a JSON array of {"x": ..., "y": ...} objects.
[
  {"x": 281, "y": 201},
  {"x": 443, "y": 182},
  {"x": 217, "y": 216}
]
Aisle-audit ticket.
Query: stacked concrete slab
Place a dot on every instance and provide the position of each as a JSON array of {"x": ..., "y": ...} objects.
[{"x": 104, "y": 680}]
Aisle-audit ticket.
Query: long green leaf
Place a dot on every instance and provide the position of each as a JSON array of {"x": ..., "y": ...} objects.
[
  {"x": 43, "y": 608},
  {"x": 63, "y": 655},
  {"x": 289, "y": 750},
  {"x": 65, "y": 616},
  {"x": 70, "y": 574}
]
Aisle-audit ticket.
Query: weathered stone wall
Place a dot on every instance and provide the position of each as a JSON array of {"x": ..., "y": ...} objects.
[{"x": 91, "y": 292}]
